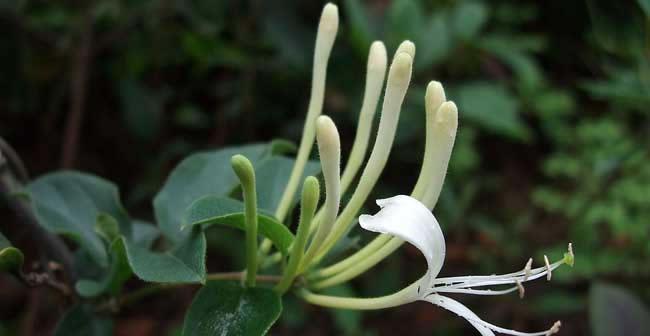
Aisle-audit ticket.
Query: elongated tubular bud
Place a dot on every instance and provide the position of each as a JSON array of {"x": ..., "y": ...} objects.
[
  {"x": 376, "y": 72},
  {"x": 329, "y": 147},
  {"x": 407, "y": 47},
  {"x": 399, "y": 77},
  {"x": 433, "y": 98},
  {"x": 308, "y": 204},
  {"x": 444, "y": 134},
  {"x": 327, "y": 29},
  {"x": 246, "y": 174}
]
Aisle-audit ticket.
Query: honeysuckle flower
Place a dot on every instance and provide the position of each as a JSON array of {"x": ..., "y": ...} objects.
[{"x": 407, "y": 218}]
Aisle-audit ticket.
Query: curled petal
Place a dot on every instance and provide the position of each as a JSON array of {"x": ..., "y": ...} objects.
[
  {"x": 483, "y": 327},
  {"x": 407, "y": 218}
]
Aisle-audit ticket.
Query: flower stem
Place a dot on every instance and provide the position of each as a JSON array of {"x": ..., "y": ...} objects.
[
  {"x": 310, "y": 196},
  {"x": 244, "y": 170}
]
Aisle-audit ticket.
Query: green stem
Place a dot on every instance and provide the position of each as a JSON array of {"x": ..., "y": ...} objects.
[
  {"x": 244, "y": 170},
  {"x": 310, "y": 196}
]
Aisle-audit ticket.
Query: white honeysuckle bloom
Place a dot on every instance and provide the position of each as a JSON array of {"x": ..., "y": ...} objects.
[{"x": 407, "y": 218}]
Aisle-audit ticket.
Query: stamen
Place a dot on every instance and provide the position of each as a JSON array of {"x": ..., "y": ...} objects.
[
  {"x": 549, "y": 271},
  {"x": 529, "y": 264},
  {"x": 473, "y": 291},
  {"x": 502, "y": 279},
  {"x": 555, "y": 328},
  {"x": 521, "y": 288}
]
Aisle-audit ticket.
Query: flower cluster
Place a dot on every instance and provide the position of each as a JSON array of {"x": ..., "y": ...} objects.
[{"x": 401, "y": 218}]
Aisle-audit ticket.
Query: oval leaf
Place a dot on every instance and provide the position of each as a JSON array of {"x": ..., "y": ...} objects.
[
  {"x": 111, "y": 280},
  {"x": 70, "y": 202},
  {"x": 272, "y": 176},
  {"x": 183, "y": 264},
  {"x": 224, "y": 308},
  {"x": 211, "y": 210}
]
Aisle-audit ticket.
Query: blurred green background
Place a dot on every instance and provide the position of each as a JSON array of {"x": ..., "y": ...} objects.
[{"x": 553, "y": 144}]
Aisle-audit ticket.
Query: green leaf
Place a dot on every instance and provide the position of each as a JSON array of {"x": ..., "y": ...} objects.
[
  {"x": 282, "y": 146},
  {"x": 144, "y": 233},
  {"x": 212, "y": 210},
  {"x": 405, "y": 21},
  {"x": 224, "y": 308},
  {"x": 615, "y": 311},
  {"x": 492, "y": 107},
  {"x": 201, "y": 174},
  {"x": 80, "y": 320},
  {"x": 70, "y": 202},
  {"x": 142, "y": 107},
  {"x": 607, "y": 18},
  {"x": 272, "y": 176},
  {"x": 111, "y": 280},
  {"x": 360, "y": 28},
  {"x": 645, "y": 6},
  {"x": 185, "y": 263},
  {"x": 516, "y": 52},
  {"x": 11, "y": 258},
  {"x": 468, "y": 18},
  {"x": 289, "y": 35},
  {"x": 433, "y": 42},
  {"x": 107, "y": 227}
]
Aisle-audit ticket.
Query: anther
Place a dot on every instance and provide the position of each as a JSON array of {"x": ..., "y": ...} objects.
[
  {"x": 527, "y": 268},
  {"x": 521, "y": 288}
]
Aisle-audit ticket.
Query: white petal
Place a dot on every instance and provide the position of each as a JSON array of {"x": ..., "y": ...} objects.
[
  {"x": 460, "y": 310},
  {"x": 407, "y": 218},
  {"x": 464, "y": 312}
]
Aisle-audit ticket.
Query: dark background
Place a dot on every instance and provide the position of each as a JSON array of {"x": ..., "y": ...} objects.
[{"x": 552, "y": 147}]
